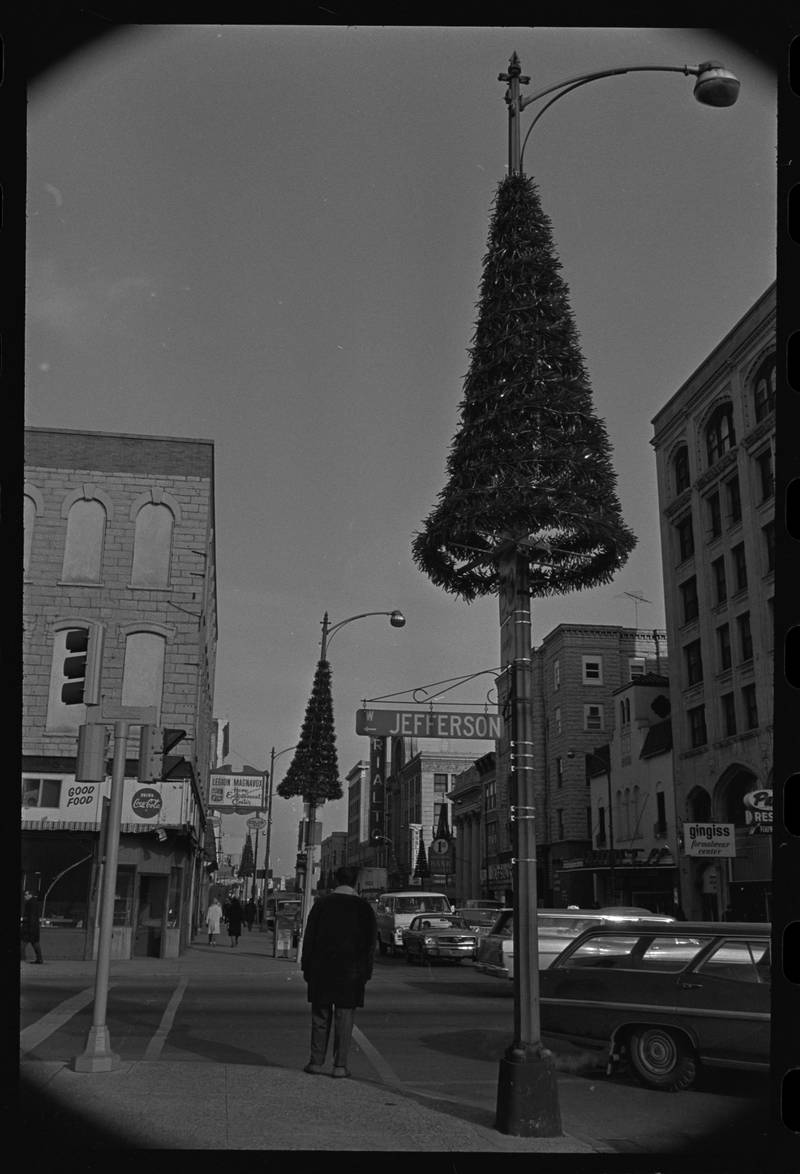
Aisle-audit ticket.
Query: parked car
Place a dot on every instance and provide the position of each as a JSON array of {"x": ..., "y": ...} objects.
[
  {"x": 395, "y": 911},
  {"x": 555, "y": 929},
  {"x": 481, "y": 903},
  {"x": 664, "y": 1001},
  {"x": 439, "y": 935},
  {"x": 478, "y": 919}
]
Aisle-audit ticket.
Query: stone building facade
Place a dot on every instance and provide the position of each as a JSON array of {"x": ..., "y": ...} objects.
[
  {"x": 118, "y": 538},
  {"x": 714, "y": 442}
]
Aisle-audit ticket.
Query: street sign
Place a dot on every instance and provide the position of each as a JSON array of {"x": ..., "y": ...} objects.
[
  {"x": 256, "y": 822},
  {"x": 381, "y": 723}
]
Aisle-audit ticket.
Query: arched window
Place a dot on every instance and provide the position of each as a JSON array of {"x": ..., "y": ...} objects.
[
  {"x": 152, "y": 546},
  {"x": 83, "y": 549},
  {"x": 698, "y": 804},
  {"x": 680, "y": 468},
  {"x": 28, "y": 523},
  {"x": 143, "y": 674},
  {"x": 720, "y": 436},
  {"x": 764, "y": 388}
]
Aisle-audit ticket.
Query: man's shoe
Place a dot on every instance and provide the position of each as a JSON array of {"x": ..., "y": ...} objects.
[
  {"x": 314, "y": 1069},
  {"x": 340, "y": 1072}
]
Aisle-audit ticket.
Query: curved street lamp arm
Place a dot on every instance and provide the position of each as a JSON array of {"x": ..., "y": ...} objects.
[
  {"x": 572, "y": 82},
  {"x": 329, "y": 630}
]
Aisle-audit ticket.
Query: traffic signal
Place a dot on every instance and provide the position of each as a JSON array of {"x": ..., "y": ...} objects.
[
  {"x": 155, "y": 761},
  {"x": 83, "y": 667},
  {"x": 90, "y": 764}
]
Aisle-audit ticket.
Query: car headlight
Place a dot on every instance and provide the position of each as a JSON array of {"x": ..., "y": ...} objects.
[{"x": 429, "y": 941}]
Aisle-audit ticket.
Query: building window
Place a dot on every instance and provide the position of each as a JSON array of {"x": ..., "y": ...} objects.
[
  {"x": 557, "y": 718},
  {"x": 728, "y": 704},
  {"x": 592, "y": 670},
  {"x": 734, "y": 501},
  {"x": 593, "y": 717},
  {"x": 29, "y": 512},
  {"x": 589, "y": 824},
  {"x": 490, "y": 793},
  {"x": 740, "y": 567},
  {"x": 745, "y": 636},
  {"x": 559, "y": 772},
  {"x": 41, "y": 792},
  {"x": 685, "y": 534},
  {"x": 636, "y": 667},
  {"x": 714, "y": 515},
  {"x": 601, "y": 826},
  {"x": 660, "y": 829},
  {"x": 688, "y": 592},
  {"x": 720, "y": 436},
  {"x": 560, "y": 819},
  {"x": 556, "y": 674},
  {"x": 724, "y": 647},
  {"x": 83, "y": 549},
  {"x": 769, "y": 545},
  {"x": 622, "y": 712},
  {"x": 764, "y": 386},
  {"x": 681, "y": 469},
  {"x": 694, "y": 663},
  {"x": 771, "y": 622},
  {"x": 766, "y": 477},
  {"x": 143, "y": 673},
  {"x": 720, "y": 582},
  {"x": 697, "y": 726},
  {"x": 152, "y": 546},
  {"x": 750, "y": 707}
]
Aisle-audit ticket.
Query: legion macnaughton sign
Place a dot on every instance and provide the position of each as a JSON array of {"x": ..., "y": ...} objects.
[{"x": 382, "y": 723}]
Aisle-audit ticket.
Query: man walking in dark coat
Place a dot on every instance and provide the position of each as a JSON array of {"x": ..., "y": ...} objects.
[
  {"x": 337, "y": 955},
  {"x": 29, "y": 926}
]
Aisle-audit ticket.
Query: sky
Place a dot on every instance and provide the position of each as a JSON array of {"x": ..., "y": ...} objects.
[{"x": 272, "y": 237}]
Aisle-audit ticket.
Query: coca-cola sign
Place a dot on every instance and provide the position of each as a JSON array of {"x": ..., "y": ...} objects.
[{"x": 146, "y": 803}]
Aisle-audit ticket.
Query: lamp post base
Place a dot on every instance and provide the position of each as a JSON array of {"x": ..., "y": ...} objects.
[
  {"x": 527, "y": 1095},
  {"x": 98, "y": 1056}
]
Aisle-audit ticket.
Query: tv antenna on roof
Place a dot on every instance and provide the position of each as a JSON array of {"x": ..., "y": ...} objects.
[{"x": 637, "y": 597}]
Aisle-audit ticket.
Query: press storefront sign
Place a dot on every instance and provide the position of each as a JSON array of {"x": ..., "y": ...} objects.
[{"x": 709, "y": 839}]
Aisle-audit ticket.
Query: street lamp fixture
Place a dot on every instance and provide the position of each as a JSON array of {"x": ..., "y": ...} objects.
[
  {"x": 396, "y": 619},
  {"x": 527, "y": 1096}
]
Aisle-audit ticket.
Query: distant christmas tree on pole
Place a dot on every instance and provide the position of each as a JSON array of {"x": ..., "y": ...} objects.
[
  {"x": 421, "y": 869},
  {"x": 529, "y": 469},
  {"x": 246, "y": 864}
]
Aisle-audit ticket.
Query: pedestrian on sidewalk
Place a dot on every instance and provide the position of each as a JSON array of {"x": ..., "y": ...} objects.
[
  {"x": 250, "y": 913},
  {"x": 29, "y": 927},
  {"x": 213, "y": 919},
  {"x": 337, "y": 955},
  {"x": 235, "y": 919}
]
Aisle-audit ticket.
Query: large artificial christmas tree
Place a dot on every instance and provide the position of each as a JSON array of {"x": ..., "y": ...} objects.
[
  {"x": 529, "y": 469},
  {"x": 314, "y": 770},
  {"x": 421, "y": 869}
]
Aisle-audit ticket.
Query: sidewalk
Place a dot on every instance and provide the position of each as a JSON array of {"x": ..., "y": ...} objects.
[{"x": 161, "y": 1104}]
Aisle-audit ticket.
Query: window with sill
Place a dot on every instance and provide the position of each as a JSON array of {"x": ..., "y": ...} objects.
[
  {"x": 769, "y": 546},
  {"x": 689, "y": 601},
  {"x": 724, "y": 646},
  {"x": 720, "y": 435},
  {"x": 680, "y": 468},
  {"x": 694, "y": 663},
  {"x": 764, "y": 385},
  {"x": 734, "y": 501},
  {"x": 697, "y": 726},
  {"x": 593, "y": 717},
  {"x": 720, "y": 581},
  {"x": 728, "y": 707},
  {"x": 766, "y": 477},
  {"x": 714, "y": 515},
  {"x": 592, "y": 670},
  {"x": 83, "y": 548},
  {"x": 750, "y": 707},
  {"x": 685, "y": 537},
  {"x": 739, "y": 566},
  {"x": 745, "y": 636}
]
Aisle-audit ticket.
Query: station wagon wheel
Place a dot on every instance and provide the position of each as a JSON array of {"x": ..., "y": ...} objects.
[{"x": 661, "y": 1059}]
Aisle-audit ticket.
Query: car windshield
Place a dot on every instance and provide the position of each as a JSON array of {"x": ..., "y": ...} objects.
[
  {"x": 421, "y": 905},
  {"x": 635, "y": 951},
  {"x": 438, "y": 921}
]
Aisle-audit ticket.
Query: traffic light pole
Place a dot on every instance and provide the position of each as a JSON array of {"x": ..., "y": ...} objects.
[{"x": 97, "y": 1055}]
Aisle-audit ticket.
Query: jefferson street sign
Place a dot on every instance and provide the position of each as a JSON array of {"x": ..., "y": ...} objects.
[{"x": 381, "y": 723}]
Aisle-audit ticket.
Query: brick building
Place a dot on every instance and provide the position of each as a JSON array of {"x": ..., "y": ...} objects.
[
  {"x": 118, "y": 538},
  {"x": 714, "y": 442}
]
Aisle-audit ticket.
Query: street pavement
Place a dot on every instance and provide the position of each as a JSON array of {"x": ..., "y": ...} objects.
[{"x": 164, "y": 1104}]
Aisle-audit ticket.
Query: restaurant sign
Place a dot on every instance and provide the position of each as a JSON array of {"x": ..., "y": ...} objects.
[{"x": 758, "y": 811}]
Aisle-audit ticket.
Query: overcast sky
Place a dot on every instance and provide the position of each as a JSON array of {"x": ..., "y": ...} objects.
[{"x": 272, "y": 236}]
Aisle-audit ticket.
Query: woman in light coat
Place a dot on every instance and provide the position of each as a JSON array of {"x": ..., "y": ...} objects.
[{"x": 213, "y": 919}]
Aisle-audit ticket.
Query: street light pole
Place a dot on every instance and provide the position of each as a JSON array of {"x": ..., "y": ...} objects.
[
  {"x": 329, "y": 630},
  {"x": 527, "y": 1095}
]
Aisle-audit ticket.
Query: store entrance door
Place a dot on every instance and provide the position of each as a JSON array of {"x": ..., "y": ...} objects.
[{"x": 150, "y": 910}]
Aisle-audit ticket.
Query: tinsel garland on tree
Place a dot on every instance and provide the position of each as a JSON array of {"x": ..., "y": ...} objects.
[
  {"x": 314, "y": 769},
  {"x": 531, "y": 461}
]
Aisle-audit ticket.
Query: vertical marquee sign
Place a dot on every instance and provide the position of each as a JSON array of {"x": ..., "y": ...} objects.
[{"x": 377, "y": 787}]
